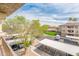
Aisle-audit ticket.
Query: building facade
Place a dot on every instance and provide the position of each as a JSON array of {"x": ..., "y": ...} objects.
[
  {"x": 53, "y": 28},
  {"x": 71, "y": 28}
]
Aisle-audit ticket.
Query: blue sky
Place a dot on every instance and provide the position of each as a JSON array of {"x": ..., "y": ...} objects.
[{"x": 48, "y": 13}]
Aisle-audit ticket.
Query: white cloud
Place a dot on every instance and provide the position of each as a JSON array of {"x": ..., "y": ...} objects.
[{"x": 65, "y": 11}]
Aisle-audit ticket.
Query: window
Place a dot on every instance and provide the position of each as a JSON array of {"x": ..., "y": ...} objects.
[
  {"x": 70, "y": 26},
  {"x": 70, "y": 34},
  {"x": 70, "y": 31}
]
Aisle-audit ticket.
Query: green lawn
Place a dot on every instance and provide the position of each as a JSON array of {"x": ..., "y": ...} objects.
[{"x": 51, "y": 33}]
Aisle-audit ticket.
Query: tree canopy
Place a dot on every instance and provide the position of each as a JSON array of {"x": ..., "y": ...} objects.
[
  {"x": 15, "y": 25},
  {"x": 20, "y": 24},
  {"x": 72, "y": 19},
  {"x": 29, "y": 30}
]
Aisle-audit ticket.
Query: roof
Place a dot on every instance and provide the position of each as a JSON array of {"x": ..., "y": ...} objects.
[
  {"x": 72, "y": 37},
  {"x": 54, "y": 25},
  {"x": 71, "y": 49},
  {"x": 8, "y": 8},
  {"x": 71, "y": 24}
]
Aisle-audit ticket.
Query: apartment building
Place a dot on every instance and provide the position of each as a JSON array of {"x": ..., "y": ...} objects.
[
  {"x": 53, "y": 28},
  {"x": 71, "y": 28}
]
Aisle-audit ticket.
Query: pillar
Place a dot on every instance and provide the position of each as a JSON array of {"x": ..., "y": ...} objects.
[{"x": 2, "y": 18}]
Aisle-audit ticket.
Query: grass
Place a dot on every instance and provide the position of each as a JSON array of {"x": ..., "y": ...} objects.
[{"x": 51, "y": 33}]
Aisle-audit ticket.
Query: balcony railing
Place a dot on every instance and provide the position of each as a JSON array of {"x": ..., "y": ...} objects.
[{"x": 7, "y": 51}]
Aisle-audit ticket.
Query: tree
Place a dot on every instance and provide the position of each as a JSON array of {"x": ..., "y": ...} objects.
[
  {"x": 26, "y": 30},
  {"x": 16, "y": 25},
  {"x": 72, "y": 19},
  {"x": 37, "y": 29}
]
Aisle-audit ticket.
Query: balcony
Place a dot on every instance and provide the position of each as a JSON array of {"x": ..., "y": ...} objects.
[{"x": 10, "y": 48}]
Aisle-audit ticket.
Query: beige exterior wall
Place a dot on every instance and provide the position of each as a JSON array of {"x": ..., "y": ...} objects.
[
  {"x": 7, "y": 51},
  {"x": 5, "y": 10},
  {"x": 53, "y": 28},
  {"x": 69, "y": 29}
]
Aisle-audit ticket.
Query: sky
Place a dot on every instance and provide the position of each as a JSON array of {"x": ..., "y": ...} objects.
[{"x": 48, "y": 13}]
